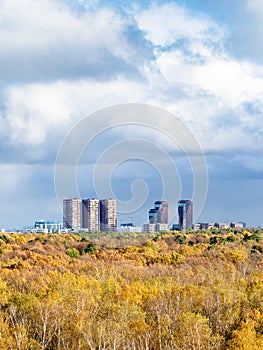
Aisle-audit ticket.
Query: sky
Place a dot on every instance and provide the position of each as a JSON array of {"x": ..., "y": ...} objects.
[{"x": 62, "y": 60}]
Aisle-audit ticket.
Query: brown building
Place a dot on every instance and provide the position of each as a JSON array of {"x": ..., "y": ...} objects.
[
  {"x": 159, "y": 214},
  {"x": 108, "y": 215},
  {"x": 72, "y": 213},
  {"x": 90, "y": 214},
  {"x": 185, "y": 214}
]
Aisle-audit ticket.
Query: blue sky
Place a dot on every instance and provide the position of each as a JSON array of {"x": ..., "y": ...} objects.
[{"x": 61, "y": 60}]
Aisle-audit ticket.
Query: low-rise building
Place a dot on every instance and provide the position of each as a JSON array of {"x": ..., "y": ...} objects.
[
  {"x": 155, "y": 227},
  {"x": 197, "y": 226},
  {"x": 222, "y": 225},
  {"x": 129, "y": 228},
  {"x": 161, "y": 227},
  {"x": 47, "y": 226},
  {"x": 149, "y": 228},
  {"x": 238, "y": 224}
]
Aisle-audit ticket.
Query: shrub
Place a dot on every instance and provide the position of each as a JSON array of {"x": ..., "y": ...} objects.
[
  {"x": 72, "y": 252},
  {"x": 4, "y": 238},
  {"x": 91, "y": 249}
]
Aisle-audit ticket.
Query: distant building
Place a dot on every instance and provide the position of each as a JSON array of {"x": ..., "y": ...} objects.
[
  {"x": 129, "y": 228},
  {"x": 197, "y": 226},
  {"x": 219, "y": 225},
  {"x": 108, "y": 215},
  {"x": 154, "y": 228},
  {"x": 238, "y": 224},
  {"x": 159, "y": 214},
  {"x": 161, "y": 227},
  {"x": 72, "y": 213},
  {"x": 127, "y": 224},
  {"x": 185, "y": 214},
  {"x": 175, "y": 227},
  {"x": 158, "y": 218},
  {"x": 207, "y": 225},
  {"x": 47, "y": 226},
  {"x": 149, "y": 228},
  {"x": 203, "y": 226},
  {"x": 90, "y": 214},
  {"x": 222, "y": 225}
]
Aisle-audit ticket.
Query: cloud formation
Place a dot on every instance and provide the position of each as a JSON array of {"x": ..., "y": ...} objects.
[
  {"x": 62, "y": 60},
  {"x": 186, "y": 70},
  {"x": 44, "y": 40}
]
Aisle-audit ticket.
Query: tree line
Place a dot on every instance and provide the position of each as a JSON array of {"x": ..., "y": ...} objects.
[{"x": 170, "y": 290}]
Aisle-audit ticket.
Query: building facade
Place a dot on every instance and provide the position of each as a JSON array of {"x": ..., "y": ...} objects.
[
  {"x": 72, "y": 213},
  {"x": 161, "y": 227},
  {"x": 222, "y": 225},
  {"x": 108, "y": 215},
  {"x": 129, "y": 227},
  {"x": 158, "y": 218},
  {"x": 159, "y": 214},
  {"x": 90, "y": 214},
  {"x": 149, "y": 228},
  {"x": 47, "y": 226},
  {"x": 185, "y": 214},
  {"x": 239, "y": 224}
]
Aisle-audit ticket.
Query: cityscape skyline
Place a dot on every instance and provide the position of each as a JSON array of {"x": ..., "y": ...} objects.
[
  {"x": 94, "y": 214},
  {"x": 199, "y": 60}
]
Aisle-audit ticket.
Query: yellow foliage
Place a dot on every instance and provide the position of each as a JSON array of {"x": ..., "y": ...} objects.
[
  {"x": 193, "y": 332},
  {"x": 236, "y": 256},
  {"x": 160, "y": 295},
  {"x": 6, "y": 339},
  {"x": 246, "y": 337},
  {"x": 19, "y": 238}
]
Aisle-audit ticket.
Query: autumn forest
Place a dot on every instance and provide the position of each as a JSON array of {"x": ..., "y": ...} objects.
[{"x": 163, "y": 291}]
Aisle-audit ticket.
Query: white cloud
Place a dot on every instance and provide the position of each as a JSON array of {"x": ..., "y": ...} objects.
[
  {"x": 232, "y": 81},
  {"x": 33, "y": 110},
  {"x": 196, "y": 79},
  {"x": 166, "y": 24},
  {"x": 45, "y": 40},
  {"x": 198, "y": 60},
  {"x": 255, "y": 6},
  {"x": 193, "y": 76},
  {"x": 36, "y": 113}
]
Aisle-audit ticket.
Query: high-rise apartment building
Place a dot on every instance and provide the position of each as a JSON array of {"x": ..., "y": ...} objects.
[
  {"x": 158, "y": 218},
  {"x": 90, "y": 214},
  {"x": 108, "y": 215},
  {"x": 185, "y": 214},
  {"x": 159, "y": 214},
  {"x": 72, "y": 213}
]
